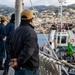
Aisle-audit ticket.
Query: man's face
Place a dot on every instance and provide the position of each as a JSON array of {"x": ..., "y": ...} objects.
[
  {"x": 31, "y": 22},
  {"x": 5, "y": 23}
]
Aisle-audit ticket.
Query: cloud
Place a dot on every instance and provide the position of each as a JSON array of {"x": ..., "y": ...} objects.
[
  {"x": 7, "y": 2},
  {"x": 35, "y": 2},
  {"x": 44, "y": 2},
  {"x": 70, "y": 1}
]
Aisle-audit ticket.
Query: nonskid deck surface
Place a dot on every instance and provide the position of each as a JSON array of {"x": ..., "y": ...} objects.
[
  {"x": 1, "y": 72},
  {"x": 10, "y": 72}
]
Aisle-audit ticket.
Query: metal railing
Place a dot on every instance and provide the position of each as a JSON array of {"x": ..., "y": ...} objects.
[
  {"x": 52, "y": 66},
  {"x": 47, "y": 66}
]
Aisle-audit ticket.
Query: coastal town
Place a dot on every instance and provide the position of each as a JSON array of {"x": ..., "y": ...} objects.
[
  {"x": 48, "y": 17},
  {"x": 48, "y": 48},
  {"x": 44, "y": 18}
]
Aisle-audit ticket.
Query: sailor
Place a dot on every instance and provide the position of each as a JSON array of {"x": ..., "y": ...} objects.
[
  {"x": 2, "y": 39},
  {"x": 24, "y": 49},
  {"x": 9, "y": 29}
]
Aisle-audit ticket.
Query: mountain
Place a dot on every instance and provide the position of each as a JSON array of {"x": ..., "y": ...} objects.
[
  {"x": 6, "y": 8},
  {"x": 40, "y": 7},
  {"x": 71, "y": 6}
]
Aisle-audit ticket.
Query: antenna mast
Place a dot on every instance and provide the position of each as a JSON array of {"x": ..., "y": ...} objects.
[
  {"x": 18, "y": 10},
  {"x": 22, "y": 4},
  {"x": 61, "y": 2}
]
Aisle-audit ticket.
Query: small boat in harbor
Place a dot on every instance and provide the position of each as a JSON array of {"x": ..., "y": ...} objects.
[
  {"x": 61, "y": 41},
  {"x": 61, "y": 45}
]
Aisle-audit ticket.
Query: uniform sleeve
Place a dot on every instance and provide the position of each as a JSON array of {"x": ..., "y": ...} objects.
[
  {"x": 11, "y": 51},
  {"x": 11, "y": 29},
  {"x": 28, "y": 50},
  {"x": 2, "y": 32}
]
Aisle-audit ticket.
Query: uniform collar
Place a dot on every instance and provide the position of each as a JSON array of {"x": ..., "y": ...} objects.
[{"x": 26, "y": 24}]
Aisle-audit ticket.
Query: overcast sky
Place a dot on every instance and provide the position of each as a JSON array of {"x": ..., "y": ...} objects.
[{"x": 36, "y": 2}]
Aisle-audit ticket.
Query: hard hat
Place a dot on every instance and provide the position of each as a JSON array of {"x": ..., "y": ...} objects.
[
  {"x": 3, "y": 18},
  {"x": 27, "y": 15}
]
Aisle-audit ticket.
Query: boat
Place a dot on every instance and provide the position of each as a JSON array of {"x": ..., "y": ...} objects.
[
  {"x": 61, "y": 44},
  {"x": 58, "y": 39}
]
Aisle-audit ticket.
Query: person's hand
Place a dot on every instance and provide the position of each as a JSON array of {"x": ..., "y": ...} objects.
[
  {"x": 13, "y": 63},
  {"x": 4, "y": 39}
]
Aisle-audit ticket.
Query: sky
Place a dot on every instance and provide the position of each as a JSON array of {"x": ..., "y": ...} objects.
[{"x": 36, "y": 2}]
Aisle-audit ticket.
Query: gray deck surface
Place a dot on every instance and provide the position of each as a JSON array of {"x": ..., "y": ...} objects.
[{"x": 1, "y": 72}]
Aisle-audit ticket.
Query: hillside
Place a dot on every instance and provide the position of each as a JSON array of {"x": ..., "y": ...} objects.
[
  {"x": 43, "y": 7},
  {"x": 71, "y": 6},
  {"x": 6, "y": 9},
  {"x": 52, "y": 7}
]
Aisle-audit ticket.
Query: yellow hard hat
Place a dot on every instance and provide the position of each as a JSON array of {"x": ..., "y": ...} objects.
[
  {"x": 3, "y": 18},
  {"x": 26, "y": 15}
]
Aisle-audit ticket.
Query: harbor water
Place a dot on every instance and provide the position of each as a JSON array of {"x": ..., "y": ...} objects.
[{"x": 41, "y": 39}]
